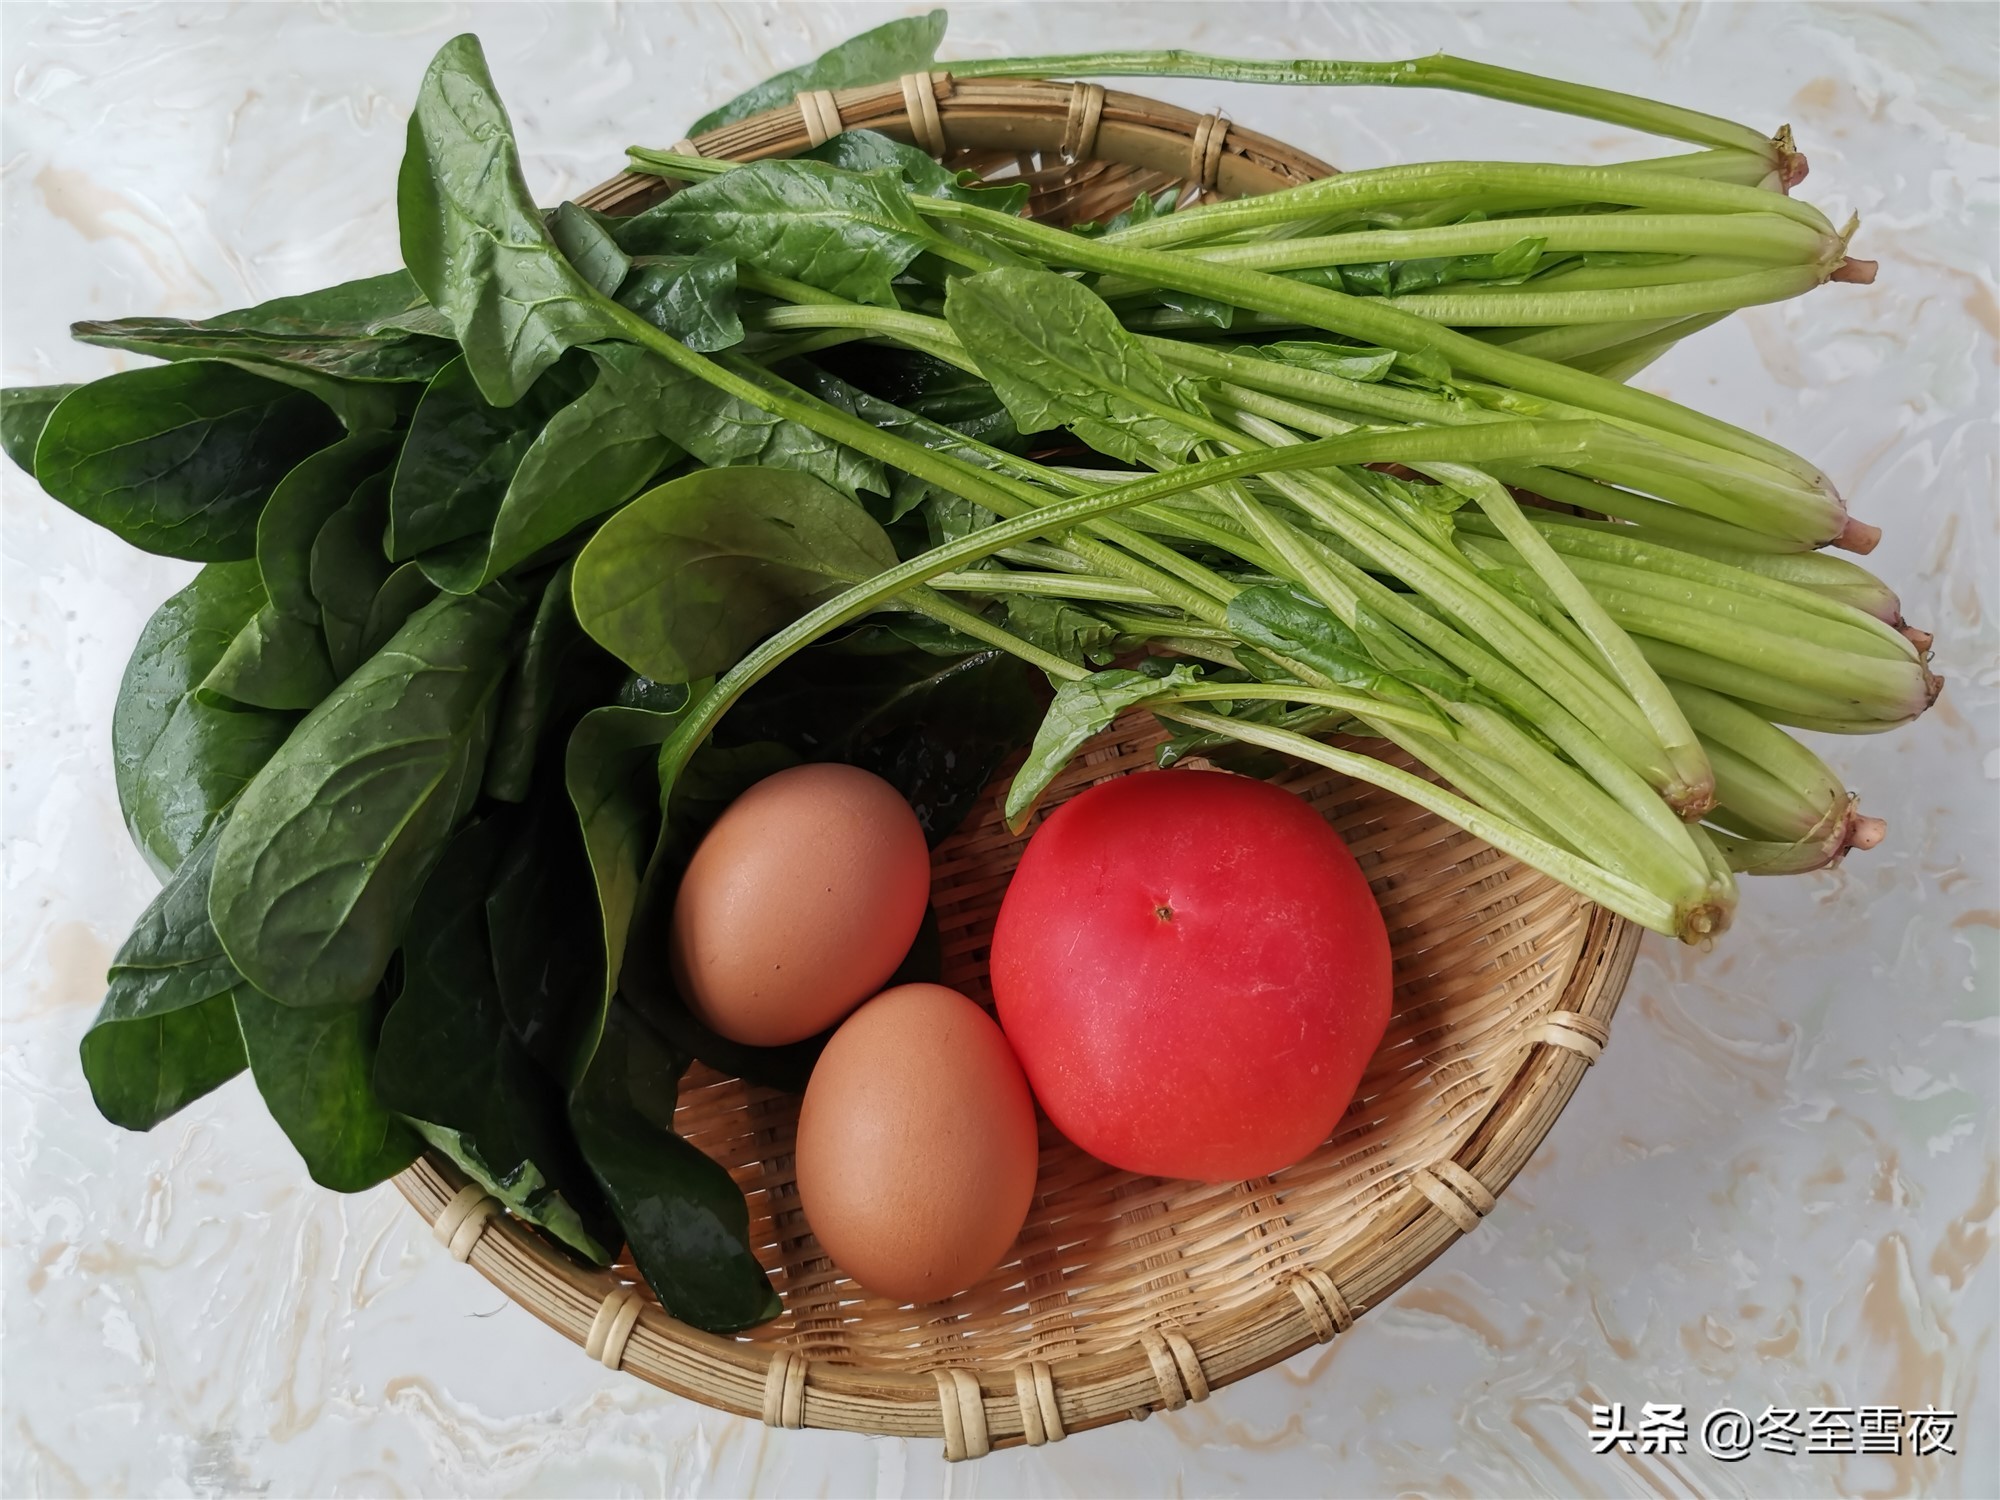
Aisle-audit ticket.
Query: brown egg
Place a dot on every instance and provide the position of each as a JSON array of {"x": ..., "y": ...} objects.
[
  {"x": 916, "y": 1145},
  {"x": 799, "y": 904}
]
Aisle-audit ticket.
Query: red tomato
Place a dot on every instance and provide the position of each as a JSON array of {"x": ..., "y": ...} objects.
[{"x": 1193, "y": 972}]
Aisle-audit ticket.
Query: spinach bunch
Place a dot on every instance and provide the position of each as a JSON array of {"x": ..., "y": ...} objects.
[
  {"x": 408, "y": 812},
  {"x": 417, "y": 853},
  {"x": 1468, "y": 325}
]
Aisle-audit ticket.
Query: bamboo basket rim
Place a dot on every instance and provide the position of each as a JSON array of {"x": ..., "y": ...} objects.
[{"x": 975, "y": 1410}]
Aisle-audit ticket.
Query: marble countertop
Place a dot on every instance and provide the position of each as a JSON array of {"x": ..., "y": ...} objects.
[{"x": 1779, "y": 1188}]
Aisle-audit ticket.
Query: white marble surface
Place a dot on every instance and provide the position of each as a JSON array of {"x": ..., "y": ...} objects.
[{"x": 1779, "y": 1188}]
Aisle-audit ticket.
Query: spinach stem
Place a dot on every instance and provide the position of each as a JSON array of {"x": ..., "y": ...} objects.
[
  {"x": 1757, "y": 603},
  {"x": 1048, "y": 585},
  {"x": 1574, "y": 341},
  {"x": 770, "y": 393},
  {"x": 1367, "y": 319},
  {"x": 1358, "y": 705},
  {"x": 1833, "y": 709},
  {"x": 1202, "y": 642},
  {"x": 959, "y": 255},
  {"x": 1125, "y": 253},
  {"x": 750, "y": 279},
  {"x": 1527, "y": 307},
  {"x": 806, "y": 343},
  {"x": 1437, "y": 71},
  {"x": 1613, "y": 274},
  {"x": 1527, "y": 184},
  {"x": 1453, "y": 586},
  {"x": 1704, "y": 467},
  {"x": 1758, "y": 236},
  {"x": 1821, "y": 574},
  {"x": 1723, "y": 164},
  {"x": 676, "y": 167},
  {"x": 1696, "y": 791},
  {"x": 1575, "y": 808},
  {"x": 966, "y": 622},
  {"x": 1581, "y": 814},
  {"x": 1765, "y": 642},
  {"x": 1752, "y": 800},
  {"x": 1611, "y": 562},
  {"x": 932, "y": 336},
  {"x": 1364, "y": 447},
  {"x": 1621, "y": 895},
  {"x": 1878, "y": 688},
  {"x": 1801, "y": 790},
  {"x": 935, "y": 335},
  {"x": 1696, "y": 475},
  {"x": 1612, "y": 752}
]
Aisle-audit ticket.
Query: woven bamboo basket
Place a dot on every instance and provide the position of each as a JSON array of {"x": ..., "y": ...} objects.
[{"x": 1124, "y": 1294}]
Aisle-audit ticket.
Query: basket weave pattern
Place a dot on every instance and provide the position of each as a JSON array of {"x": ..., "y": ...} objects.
[{"x": 1124, "y": 1294}]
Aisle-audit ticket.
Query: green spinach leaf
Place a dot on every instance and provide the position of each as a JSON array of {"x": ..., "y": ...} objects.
[
  {"x": 935, "y": 728},
  {"x": 179, "y": 460},
  {"x": 655, "y": 697},
  {"x": 1306, "y": 631},
  {"x": 561, "y": 671},
  {"x": 1145, "y": 207},
  {"x": 348, "y": 569},
  {"x": 462, "y": 454},
  {"x": 592, "y": 456},
  {"x": 905, "y": 492},
  {"x": 403, "y": 593},
  {"x": 1214, "y": 313},
  {"x": 379, "y": 329},
  {"x": 353, "y": 346},
  {"x": 609, "y": 771},
  {"x": 684, "y": 580},
  {"x": 888, "y": 51},
  {"x": 1232, "y": 754},
  {"x": 540, "y": 899},
  {"x": 1069, "y": 630},
  {"x": 334, "y": 838},
  {"x": 172, "y": 958},
  {"x": 587, "y": 245},
  {"x": 304, "y": 501},
  {"x": 685, "y": 1220},
  {"x": 473, "y": 239},
  {"x": 166, "y": 1033},
  {"x": 315, "y": 1069},
  {"x": 180, "y": 761},
  {"x": 24, "y": 412},
  {"x": 1425, "y": 508},
  {"x": 693, "y": 297},
  {"x": 143, "y": 1067},
  {"x": 275, "y": 662},
  {"x": 1353, "y": 361},
  {"x": 1059, "y": 358},
  {"x": 447, "y": 1061},
  {"x": 1081, "y": 709},
  {"x": 722, "y": 430},
  {"x": 871, "y": 151},
  {"x": 848, "y": 234},
  {"x": 927, "y": 387},
  {"x": 1395, "y": 278}
]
